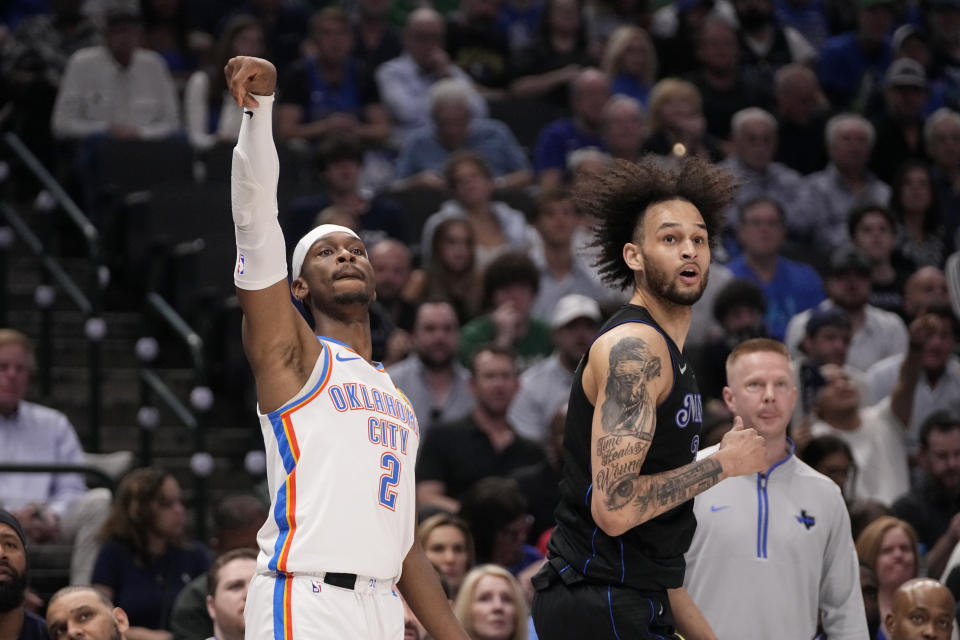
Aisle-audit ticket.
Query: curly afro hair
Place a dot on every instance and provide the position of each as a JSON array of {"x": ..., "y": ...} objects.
[{"x": 619, "y": 198}]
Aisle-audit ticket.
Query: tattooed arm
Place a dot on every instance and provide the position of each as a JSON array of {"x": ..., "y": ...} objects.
[{"x": 625, "y": 379}]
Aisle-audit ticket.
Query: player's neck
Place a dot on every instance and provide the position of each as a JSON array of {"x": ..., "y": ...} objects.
[
  {"x": 354, "y": 333},
  {"x": 11, "y": 622},
  {"x": 494, "y": 427},
  {"x": 673, "y": 318}
]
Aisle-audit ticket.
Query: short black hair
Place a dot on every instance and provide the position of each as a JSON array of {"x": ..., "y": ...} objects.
[
  {"x": 548, "y": 197},
  {"x": 751, "y": 203},
  {"x": 822, "y": 446},
  {"x": 858, "y": 213},
  {"x": 338, "y": 147},
  {"x": 738, "y": 293},
  {"x": 512, "y": 267},
  {"x": 488, "y": 506},
  {"x": 942, "y": 420},
  {"x": 621, "y": 196},
  {"x": 81, "y": 588},
  {"x": 489, "y": 347},
  {"x": 465, "y": 157}
]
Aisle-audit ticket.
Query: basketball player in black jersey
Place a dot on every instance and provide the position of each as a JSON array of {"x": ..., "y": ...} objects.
[{"x": 615, "y": 564}]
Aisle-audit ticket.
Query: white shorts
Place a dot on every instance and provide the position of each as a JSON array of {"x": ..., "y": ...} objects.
[{"x": 303, "y": 607}]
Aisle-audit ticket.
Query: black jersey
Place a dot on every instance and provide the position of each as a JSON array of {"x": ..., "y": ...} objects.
[{"x": 649, "y": 556}]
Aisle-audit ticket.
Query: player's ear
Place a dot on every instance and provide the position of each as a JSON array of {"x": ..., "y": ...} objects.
[
  {"x": 728, "y": 399},
  {"x": 632, "y": 256},
  {"x": 299, "y": 289},
  {"x": 120, "y": 617}
]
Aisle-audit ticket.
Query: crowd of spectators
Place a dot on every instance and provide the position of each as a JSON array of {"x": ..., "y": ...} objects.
[{"x": 841, "y": 120}]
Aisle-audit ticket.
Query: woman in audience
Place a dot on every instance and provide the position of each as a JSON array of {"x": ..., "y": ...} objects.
[
  {"x": 448, "y": 544},
  {"x": 497, "y": 513},
  {"x": 210, "y": 113},
  {"x": 144, "y": 561},
  {"x": 832, "y": 457},
  {"x": 677, "y": 125},
  {"x": 497, "y": 227},
  {"x": 491, "y": 605},
  {"x": 451, "y": 272},
  {"x": 554, "y": 59},
  {"x": 888, "y": 545},
  {"x": 919, "y": 232},
  {"x": 631, "y": 62}
]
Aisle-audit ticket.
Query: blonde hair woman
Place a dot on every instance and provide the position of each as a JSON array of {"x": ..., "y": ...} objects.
[
  {"x": 630, "y": 61},
  {"x": 448, "y": 545},
  {"x": 677, "y": 125},
  {"x": 491, "y": 605},
  {"x": 888, "y": 545}
]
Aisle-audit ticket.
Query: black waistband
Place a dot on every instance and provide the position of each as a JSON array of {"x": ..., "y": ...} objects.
[{"x": 342, "y": 580}]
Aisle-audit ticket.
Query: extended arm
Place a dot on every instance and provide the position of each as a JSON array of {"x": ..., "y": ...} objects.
[
  {"x": 278, "y": 343},
  {"x": 901, "y": 398},
  {"x": 422, "y": 591},
  {"x": 624, "y": 423}
]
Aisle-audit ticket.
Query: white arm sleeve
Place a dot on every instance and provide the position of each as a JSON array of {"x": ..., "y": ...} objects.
[{"x": 261, "y": 251}]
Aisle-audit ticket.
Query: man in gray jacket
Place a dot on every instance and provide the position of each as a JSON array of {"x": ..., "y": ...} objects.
[{"x": 773, "y": 549}]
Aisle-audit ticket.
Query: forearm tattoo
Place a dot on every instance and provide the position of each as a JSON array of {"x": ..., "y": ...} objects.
[
  {"x": 628, "y": 422},
  {"x": 652, "y": 495}
]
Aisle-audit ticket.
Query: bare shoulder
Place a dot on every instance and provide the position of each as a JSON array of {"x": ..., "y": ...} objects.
[{"x": 632, "y": 353}]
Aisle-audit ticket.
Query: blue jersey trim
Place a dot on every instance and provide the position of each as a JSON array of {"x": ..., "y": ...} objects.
[
  {"x": 279, "y": 587},
  {"x": 275, "y": 415},
  {"x": 593, "y": 547},
  {"x": 613, "y": 623}
]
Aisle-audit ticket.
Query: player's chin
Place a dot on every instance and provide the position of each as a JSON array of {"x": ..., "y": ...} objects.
[{"x": 352, "y": 296}]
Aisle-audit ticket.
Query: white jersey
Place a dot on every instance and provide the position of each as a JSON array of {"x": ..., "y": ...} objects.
[{"x": 340, "y": 463}]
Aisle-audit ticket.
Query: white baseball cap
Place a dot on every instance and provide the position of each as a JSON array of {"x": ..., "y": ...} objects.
[{"x": 573, "y": 306}]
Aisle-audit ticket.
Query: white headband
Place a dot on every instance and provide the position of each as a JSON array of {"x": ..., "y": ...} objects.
[{"x": 308, "y": 240}]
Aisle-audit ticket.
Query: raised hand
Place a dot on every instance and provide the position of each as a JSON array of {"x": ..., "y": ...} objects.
[
  {"x": 922, "y": 329},
  {"x": 743, "y": 451},
  {"x": 248, "y": 76}
]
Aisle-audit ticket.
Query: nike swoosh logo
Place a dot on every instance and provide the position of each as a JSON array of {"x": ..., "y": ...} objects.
[
  {"x": 720, "y": 508},
  {"x": 683, "y": 369},
  {"x": 249, "y": 113},
  {"x": 347, "y": 359}
]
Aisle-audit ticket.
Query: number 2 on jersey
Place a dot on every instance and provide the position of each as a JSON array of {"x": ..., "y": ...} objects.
[{"x": 391, "y": 464}]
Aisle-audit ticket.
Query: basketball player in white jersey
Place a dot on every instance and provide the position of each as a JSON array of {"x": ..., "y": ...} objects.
[{"x": 341, "y": 440}]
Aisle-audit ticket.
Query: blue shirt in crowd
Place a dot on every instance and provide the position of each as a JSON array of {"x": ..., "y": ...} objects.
[
  {"x": 795, "y": 287},
  {"x": 557, "y": 140}
]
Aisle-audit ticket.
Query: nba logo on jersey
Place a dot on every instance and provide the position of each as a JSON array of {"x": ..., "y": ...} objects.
[
  {"x": 317, "y": 587},
  {"x": 240, "y": 263}
]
